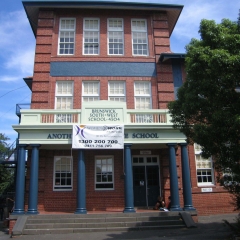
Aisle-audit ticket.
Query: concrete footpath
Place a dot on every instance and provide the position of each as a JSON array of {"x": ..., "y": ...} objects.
[{"x": 208, "y": 228}]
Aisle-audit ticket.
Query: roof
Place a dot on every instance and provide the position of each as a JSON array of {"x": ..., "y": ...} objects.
[
  {"x": 32, "y": 8},
  {"x": 166, "y": 56},
  {"x": 28, "y": 81}
]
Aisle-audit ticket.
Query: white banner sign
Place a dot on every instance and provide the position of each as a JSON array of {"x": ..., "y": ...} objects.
[{"x": 98, "y": 136}]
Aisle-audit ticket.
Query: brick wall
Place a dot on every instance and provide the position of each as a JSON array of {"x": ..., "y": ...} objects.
[
  {"x": 43, "y": 97},
  {"x": 216, "y": 202},
  {"x": 43, "y": 90}
]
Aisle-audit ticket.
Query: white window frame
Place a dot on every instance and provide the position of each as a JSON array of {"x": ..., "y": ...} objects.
[
  {"x": 69, "y": 32},
  {"x": 113, "y": 31},
  {"x": 101, "y": 158},
  {"x": 136, "y": 31},
  {"x": 143, "y": 96},
  {"x": 59, "y": 187},
  {"x": 205, "y": 172},
  {"x": 67, "y": 95},
  {"x": 91, "y": 31},
  {"x": 68, "y": 98},
  {"x": 142, "y": 160},
  {"x": 118, "y": 97},
  {"x": 90, "y": 97}
]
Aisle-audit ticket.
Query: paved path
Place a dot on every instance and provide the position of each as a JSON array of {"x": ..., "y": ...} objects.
[{"x": 208, "y": 228}]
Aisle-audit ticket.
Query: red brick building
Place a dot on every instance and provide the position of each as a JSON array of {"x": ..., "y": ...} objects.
[{"x": 104, "y": 64}]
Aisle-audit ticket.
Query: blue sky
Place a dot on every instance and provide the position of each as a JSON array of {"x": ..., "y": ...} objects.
[{"x": 17, "y": 46}]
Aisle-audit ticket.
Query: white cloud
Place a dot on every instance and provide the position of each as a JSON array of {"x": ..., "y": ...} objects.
[
  {"x": 22, "y": 60},
  {"x": 9, "y": 78},
  {"x": 12, "y": 28},
  {"x": 194, "y": 11},
  {"x": 16, "y": 46}
]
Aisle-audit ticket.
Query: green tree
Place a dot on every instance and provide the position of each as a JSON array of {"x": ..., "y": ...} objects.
[
  {"x": 3, "y": 146},
  {"x": 6, "y": 174},
  {"x": 207, "y": 110}
]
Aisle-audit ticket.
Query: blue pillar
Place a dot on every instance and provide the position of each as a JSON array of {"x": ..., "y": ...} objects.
[
  {"x": 81, "y": 184},
  {"x": 175, "y": 203},
  {"x": 20, "y": 181},
  {"x": 186, "y": 179},
  {"x": 128, "y": 183},
  {"x": 33, "y": 187}
]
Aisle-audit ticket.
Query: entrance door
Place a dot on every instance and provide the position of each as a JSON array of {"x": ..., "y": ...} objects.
[
  {"x": 152, "y": 184},
  {"x": 139, "y": 186},
  {"x": 145, "y": 185}
]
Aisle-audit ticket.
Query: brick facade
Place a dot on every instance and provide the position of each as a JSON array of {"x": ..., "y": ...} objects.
[{"x": 162, "y": 87}]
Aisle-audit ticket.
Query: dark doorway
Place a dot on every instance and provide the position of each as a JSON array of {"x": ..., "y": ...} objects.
[{"x": 145, "y": 185}]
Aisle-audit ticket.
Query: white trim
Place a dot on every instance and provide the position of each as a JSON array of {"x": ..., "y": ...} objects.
[
  {"x": 145, "y": 30},
  {"x": 145, "y": 163},
  {"x": 115, "y": 95},
  {"x": 69, "y": 187},
  {"x": 115, "y": 30},
  {"x": 66, "y": 30},
  {"x": 101, "y": 157},
  {"x": 91, "y": 30},
  {"x": 198, "y": 152},
  {"x": 97, "y": 95},
  {"x": 64, "y": 95},
  {"x": 143, "y": 96}
]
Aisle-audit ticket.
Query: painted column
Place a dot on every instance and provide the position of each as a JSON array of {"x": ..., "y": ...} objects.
[
  {"x": 186, "y": 179},
  {"x": 20, "y": 181},
  {"x": 33, "y": 187},
  {"x": 128, "y": 181},
  {"x": 81, "y": 184},
  {"x": 175, "y": 203}
]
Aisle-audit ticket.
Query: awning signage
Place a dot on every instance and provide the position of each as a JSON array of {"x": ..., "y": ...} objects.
[{"x": 109, "y": 136}]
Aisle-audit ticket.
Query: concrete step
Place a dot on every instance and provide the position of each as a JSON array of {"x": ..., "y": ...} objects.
[
  {"x": 79, "y": 230},
  {"x": 101, "y": 224},
  {"x": 75, "y": 223}
]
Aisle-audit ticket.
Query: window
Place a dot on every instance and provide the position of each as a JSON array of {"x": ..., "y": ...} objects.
[
  {"x": 142, "y": 92},
  {"x": 116, "y": 91},
  {"x": 91, "y": 36},
  {"x": 64, "y": 100},
  {"x": 204, "y": 167},
  {"x": 63, "y": 176},
  {"x": 143, "y": 100},
  {"x": 66, "y": 40},
  {"x": 146, "y": 160},
  {"x": 90, "y": 91},
  {"x": 104, "y": 173},
  {"x": 139, "y": 37},
  {"x": 115, "y": 36},
  {"x": 64, "y": 95}
]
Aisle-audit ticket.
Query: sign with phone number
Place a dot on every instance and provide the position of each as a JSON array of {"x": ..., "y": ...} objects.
[{"x": 110, "y": 136}]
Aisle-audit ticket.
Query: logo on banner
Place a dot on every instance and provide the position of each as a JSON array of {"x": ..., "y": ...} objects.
[{"x": 98, "y": 136}]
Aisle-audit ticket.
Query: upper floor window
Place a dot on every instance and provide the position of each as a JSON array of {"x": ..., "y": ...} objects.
[
  {"x": 204, "y": 167},
  {"x": 139, "y": 37},
  {"x": 64, "y": 95},
  {"x": 63, "y": 173},
  {"x": 66, "y": 41},
  {"x": 142, "y": 94},
  {"x": 90, "y": 91},
  {"x": 116, "y": 91},
  {"x": 115, "y": 36},
  {"x": 91, "y": 36},
  {"x": 64, "y": 100}
]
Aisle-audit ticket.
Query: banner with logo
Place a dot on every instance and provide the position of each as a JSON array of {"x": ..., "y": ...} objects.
[{"x": 109, "y": 136}]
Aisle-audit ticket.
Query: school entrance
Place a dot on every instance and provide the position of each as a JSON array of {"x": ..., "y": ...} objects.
[{"x": 146, "y": 181}]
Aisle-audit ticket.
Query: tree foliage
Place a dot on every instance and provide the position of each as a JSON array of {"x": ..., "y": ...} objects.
[
  {"x": 3, "y": 144},
  {"x": 6, "y": 174},
  {"x": 207, "y": 110}
]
